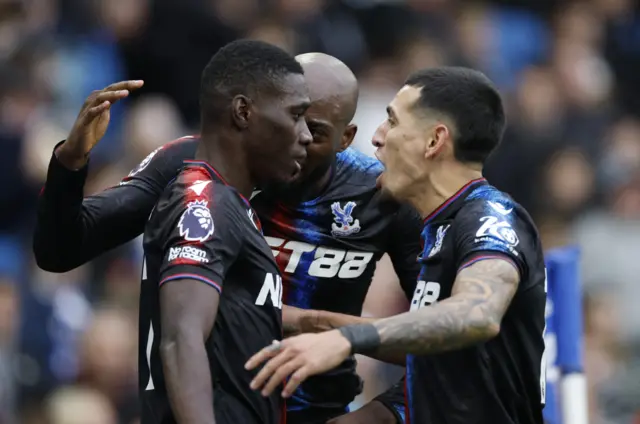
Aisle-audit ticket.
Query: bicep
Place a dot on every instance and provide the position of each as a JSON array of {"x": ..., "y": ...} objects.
[
  {"x": 187, "y": 305},
  {"x": 490, "y": 281}
]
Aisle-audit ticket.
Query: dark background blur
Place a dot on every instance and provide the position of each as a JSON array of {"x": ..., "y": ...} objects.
[{"x": 569, "y": 71}]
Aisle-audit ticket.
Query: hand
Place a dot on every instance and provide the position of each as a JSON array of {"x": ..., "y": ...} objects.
[
  {"x": 92, "y": 122},
  {"x": 298, "y": 358},
  {"x": 373, "y": 412}
]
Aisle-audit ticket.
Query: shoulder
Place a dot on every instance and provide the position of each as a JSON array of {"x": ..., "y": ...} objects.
[
  {"x": 489, "y": 201},
  {"x": 356, "y": 167},
  {"x": 168, "y": 158},
  {"x": 491, "y": 214}
]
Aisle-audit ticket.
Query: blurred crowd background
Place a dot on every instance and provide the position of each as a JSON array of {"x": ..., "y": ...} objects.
[{"x": 569, "y": 71}]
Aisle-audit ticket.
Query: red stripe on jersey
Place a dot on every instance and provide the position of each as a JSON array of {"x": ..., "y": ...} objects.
[
  {"x": 190, "y": 177},
  {"x": 479, "y": 258},
  {"x": 41, "y": 191},
  {"x": 407, "y": 413},
  {"x": 283, "y": 414},
  {"x": 187, "y": 276},
  {"x": 451, "y": 199},
  {"x": 179, "y": 140}
]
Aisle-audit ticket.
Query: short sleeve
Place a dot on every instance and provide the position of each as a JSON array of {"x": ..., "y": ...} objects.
[
  {"x": 206, "y": 236},
  {"x": 404, "y": 247},
  {"x": 394, "y": 400},
  {"x": 487, "y": 229}
]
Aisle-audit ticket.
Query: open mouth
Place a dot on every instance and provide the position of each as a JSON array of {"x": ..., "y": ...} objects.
[{"x": 378, "y": 155}]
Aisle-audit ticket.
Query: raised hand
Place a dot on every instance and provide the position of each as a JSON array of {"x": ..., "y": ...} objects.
[{"x": 92, "y": 122}]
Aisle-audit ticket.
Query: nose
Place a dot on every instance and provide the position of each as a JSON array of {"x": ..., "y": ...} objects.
[
  {"x": 305, "y": 135},
  {"x": 379, "y": 136}
]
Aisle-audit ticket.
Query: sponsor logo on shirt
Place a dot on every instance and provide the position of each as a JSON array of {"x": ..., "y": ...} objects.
[{"x": 189, "y": 253}]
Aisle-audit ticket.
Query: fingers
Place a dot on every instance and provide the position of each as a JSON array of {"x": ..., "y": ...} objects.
[
  {"x": 96, "y": 110},
  {"x": 110, "y": 96},
  {"x": 281, "y": 373},
  {"x": 266, "y": 353},
  {"x": 125, "y": 85},
  {"x": 300, "y": 375},
  {"x": 269, "y": 368}
]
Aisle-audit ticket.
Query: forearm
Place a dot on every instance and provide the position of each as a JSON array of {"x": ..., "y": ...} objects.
[
  {"x": 58, "y": 232},
  {"x": 188, "y": 379},
  {"x": 451, "y": 324},
  {"x": 297, "y": 321}
]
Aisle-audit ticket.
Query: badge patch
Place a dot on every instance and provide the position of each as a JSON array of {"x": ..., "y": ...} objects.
[
  {"x": 196, "y": 223},
  {"x": 344, "y": 224}
]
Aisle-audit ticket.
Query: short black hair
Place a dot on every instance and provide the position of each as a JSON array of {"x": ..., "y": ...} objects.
[
  {"x": 471, "y": 100},
  {"x": 242, "y": 67}
]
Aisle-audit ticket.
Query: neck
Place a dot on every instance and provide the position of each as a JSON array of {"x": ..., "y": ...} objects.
[
  {"x": 227, "y": 158},
  {"x": 441, "y": 184}
]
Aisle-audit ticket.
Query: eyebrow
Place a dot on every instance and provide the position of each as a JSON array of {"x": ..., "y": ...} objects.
[{"x": 319, "y": 123}]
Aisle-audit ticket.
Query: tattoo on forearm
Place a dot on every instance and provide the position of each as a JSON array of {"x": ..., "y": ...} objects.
[{"x": 480, "y": 296}]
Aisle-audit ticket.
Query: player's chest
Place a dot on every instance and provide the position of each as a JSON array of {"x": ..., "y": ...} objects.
[
  {"x": 438, "y": 261},
  {"x": 340, "y": 239},
  {"x": 255, "y": 272}
]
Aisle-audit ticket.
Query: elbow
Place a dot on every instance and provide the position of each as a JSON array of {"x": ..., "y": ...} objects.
[
  {"x": 492, "y": 329},
  {"x": 179, "y": 338},
  {"x": 484, "y": 330},
  {"x": 49, "y": 262}
]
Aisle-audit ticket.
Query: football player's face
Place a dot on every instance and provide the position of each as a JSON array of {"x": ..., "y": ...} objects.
[
  {"x": 401, "y": 145},
  {"x": 279, "y": 133}
]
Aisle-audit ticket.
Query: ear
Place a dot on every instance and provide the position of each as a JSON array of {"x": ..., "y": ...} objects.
[
  {"x": 439, "y": 136},
  {"x": 347, "y": 137},
  {"x": 241, "y": 110}
]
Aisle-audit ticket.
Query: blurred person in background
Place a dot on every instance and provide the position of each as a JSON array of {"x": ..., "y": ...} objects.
[{"x": 79, "y": 405}]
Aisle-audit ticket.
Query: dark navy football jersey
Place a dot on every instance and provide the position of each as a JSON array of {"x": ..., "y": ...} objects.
[
  {"x": 204, "y": 230},
  {"x": 327, "y": 249},
  {"x": 501, "y": 380}
]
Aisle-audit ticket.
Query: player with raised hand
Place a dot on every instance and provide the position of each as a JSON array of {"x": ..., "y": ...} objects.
[
  {"x": 327, "y": 230},
  {"x": 92, "y": 123},
  {"x": 473, "y": 340}
]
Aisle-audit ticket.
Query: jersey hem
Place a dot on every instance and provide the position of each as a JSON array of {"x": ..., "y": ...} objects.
[{"x": 185, "y": 276}]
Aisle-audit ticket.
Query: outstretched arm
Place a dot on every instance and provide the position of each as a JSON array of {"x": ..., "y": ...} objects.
[
  {"x": 297, "y": 321},
  {"x": 480, "y": 297}
]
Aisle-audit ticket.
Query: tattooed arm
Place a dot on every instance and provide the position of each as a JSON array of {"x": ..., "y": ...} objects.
[{"x": 479, "y": 299}]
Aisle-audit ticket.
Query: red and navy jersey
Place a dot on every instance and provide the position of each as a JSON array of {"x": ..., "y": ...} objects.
[
  {"x": 327, "y": 249},
  {"x": 202, "y": 229},
  {"x": 501, "y": 380}
]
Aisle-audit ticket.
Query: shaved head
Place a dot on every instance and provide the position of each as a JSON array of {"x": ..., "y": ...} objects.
[{"x": 331, "y": 83}]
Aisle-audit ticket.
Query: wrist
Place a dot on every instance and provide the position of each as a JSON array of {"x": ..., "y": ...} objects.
[
  {"x": 71, "y": 157},
  {"x": 364, "y": 338}
]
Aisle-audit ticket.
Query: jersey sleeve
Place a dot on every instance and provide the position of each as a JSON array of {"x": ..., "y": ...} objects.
[
  {"x": 491, "y": 229},
  {"x": 394, "y": 400},
  {"x": 72, "y": 229},
  {"x": 205, "y": 239},
  {"x": 404, "y": 247}
]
